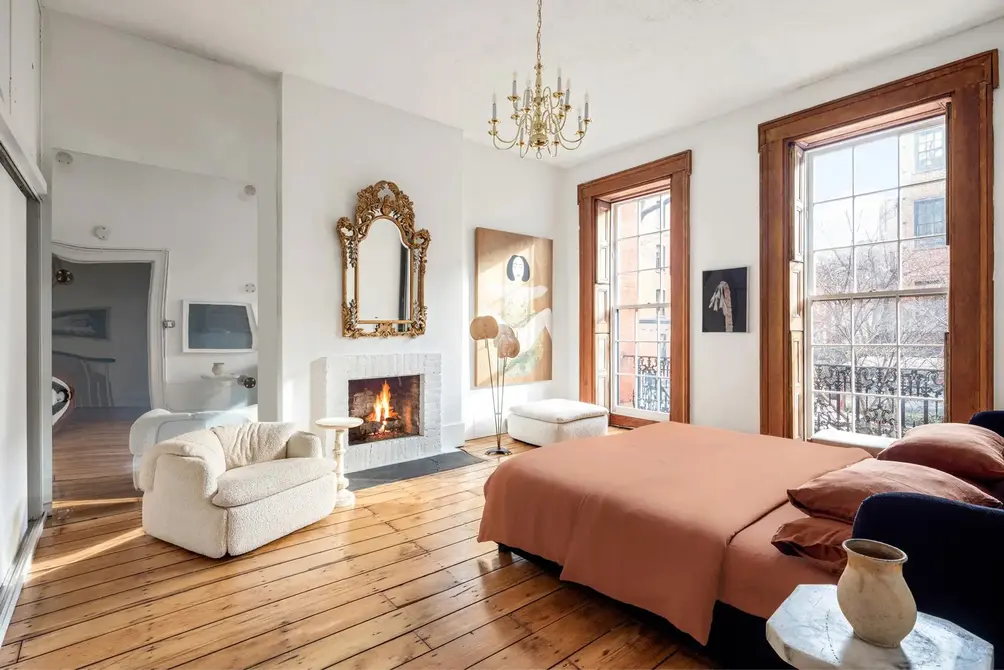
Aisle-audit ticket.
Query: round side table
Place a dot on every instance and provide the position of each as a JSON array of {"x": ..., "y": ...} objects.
[
  {"x": 809, "y": 631},
  {"x": 341, "y": 426}
]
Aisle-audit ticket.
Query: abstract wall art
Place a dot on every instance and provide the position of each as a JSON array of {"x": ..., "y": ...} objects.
[{"x": 512, "y": 282}]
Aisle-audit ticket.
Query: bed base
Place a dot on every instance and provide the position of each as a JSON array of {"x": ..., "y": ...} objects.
[{"x": 737, "y": 640}]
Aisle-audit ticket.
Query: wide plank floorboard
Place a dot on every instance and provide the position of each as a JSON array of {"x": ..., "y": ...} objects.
[{"x": 399, "y": 581}]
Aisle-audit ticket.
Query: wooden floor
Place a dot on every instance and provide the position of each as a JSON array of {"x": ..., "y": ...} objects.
[
  {"x": 91, "y": 461},
  {"x": 398, "y": 581}
]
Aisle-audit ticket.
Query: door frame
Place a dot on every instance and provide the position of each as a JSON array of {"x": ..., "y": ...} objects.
[{"x": 156, "y": 307}]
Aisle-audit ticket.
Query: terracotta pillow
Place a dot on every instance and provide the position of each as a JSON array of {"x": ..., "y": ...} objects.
[
  {"x": 816, "y": 540},
  {"x": 969, "y": 452},
  {"x": 837, "y": 495}
]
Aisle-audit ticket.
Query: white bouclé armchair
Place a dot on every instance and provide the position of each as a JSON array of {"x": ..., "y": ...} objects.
[{"x": 232, "y": 489}]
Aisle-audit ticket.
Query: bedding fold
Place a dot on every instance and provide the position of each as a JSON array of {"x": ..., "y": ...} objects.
[{"x": 646, "y": 516}]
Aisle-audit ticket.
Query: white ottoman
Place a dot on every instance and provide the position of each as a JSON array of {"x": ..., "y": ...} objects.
[{"x": 548, "y": 421}]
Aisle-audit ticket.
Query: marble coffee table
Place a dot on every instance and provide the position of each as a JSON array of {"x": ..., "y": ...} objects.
[{"x": 809, "y": 631}]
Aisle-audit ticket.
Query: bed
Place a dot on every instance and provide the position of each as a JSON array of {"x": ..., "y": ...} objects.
[{"x": 671, "y": 518}]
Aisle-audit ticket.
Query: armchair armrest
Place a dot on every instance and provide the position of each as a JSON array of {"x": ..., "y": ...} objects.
[
  {"x": 953, "y": 551},
  {"x": 304, "y": 445},
  {"x": 991, "y": 420},
  {"x": 200, "y": 447}
]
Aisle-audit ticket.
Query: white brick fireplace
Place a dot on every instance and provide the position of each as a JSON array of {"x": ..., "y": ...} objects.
[{"x": 329, "y": 382}]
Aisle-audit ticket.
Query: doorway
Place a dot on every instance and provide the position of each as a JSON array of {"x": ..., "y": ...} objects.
[{"x": 101, "y": 374}]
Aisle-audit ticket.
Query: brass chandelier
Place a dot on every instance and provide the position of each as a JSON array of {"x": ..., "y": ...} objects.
[{"x": 540, "y": 114}]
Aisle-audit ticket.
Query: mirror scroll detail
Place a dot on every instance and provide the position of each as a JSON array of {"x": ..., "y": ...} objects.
[{"x": 383, "y": 280}]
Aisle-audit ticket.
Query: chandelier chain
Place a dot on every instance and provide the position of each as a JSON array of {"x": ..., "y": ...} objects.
[{"x": 540, "y": 4}]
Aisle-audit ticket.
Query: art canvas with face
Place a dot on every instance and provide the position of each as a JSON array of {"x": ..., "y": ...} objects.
[{"x": 512, "y": 282}]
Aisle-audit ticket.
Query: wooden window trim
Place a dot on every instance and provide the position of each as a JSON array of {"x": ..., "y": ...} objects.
[
  {"x": 967, "y": 86},
  {"x": 643, "y": 179}
]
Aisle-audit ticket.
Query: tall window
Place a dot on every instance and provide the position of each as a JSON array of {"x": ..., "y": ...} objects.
[
  {"x": 877, "y": 281},
  {"x": 633, "y": 241}
]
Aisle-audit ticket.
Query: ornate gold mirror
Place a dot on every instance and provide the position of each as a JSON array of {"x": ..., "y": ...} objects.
[{"x": 383, "y": 266}]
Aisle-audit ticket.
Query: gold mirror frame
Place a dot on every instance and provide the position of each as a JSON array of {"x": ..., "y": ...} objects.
[{"x": 372, "y": 205}]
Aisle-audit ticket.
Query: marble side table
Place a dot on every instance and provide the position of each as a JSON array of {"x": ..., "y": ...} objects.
[
  {"x": 341, "y": 426},
  {"x": 809, "y": 631}
]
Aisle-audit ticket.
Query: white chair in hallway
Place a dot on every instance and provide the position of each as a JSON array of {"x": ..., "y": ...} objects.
[{"x": 158, "y": 425}]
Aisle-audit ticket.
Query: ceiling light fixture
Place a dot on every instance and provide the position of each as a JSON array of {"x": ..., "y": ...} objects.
[{"x": 540, "y": 114}]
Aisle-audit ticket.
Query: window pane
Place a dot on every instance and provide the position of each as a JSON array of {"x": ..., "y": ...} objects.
[
  {"x": 666, "y": 211},
  {"x": 876, "y": 217},
  {"x": 832, "y": 224},
  {"x": 831, "y": 322},
  {"x": 624, "y": 386},
  {"x": 626, "y": 218},
  {"x": 626, "y": 327},
  {"x": 831, "y": 369},
  {"x": 653, "y": 287},
  {"x": 627, "y": 289},
  {"x": 626, "y": 357},
  {"x": 650, "y": 215},
  {"x": 922, "y": 154},
  {"x": 648, "y": 326},
  {"x": 922, "y": 210},
  {"x": 664, "y": 250},
  {"x": 875, "y": 416},
  {"x": 923, "y": 320},
  {"x": 832, "y": 271},
  {"x": 921, "y": 412},
  {"x": 876, "y": 165},
  {"x": 875, "y": 370},
  {"x": 627, "y": 255},
  {"x": 652, "y": 394},
  {"x": 831, "y": 175},
  {"x": 923, "y": 371},
  {"x": 650, "y": 251},
  {"x": 875, "y": 321},
  {"x": 832, "y": 410},
  {"x": 877, "y": 267},
  {"x": 925, "y": 263}
]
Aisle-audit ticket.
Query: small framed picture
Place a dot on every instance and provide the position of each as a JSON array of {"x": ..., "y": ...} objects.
[
  {"x": 219, "y": 327},
  {"x": 724, "y": 306}
]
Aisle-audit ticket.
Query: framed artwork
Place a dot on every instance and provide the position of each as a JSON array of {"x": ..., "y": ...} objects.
[
  {"x": 724, "y": 301},
  {"x": 512, "y": 282},
  {"x": 90, "y": 323},
  {"x": 218, "y": 327}
]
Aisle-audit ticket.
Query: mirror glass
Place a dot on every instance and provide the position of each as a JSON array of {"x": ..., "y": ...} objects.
[{"x": 383, "y": 274}]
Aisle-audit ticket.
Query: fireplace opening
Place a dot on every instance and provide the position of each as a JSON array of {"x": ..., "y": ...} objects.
[{"x": 389, "y": 407}]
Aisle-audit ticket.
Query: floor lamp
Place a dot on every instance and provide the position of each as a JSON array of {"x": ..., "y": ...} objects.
[{"x": 486, "y": 328}]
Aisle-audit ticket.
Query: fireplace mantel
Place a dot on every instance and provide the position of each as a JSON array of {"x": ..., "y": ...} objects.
[{"x": 329, "y": 381}]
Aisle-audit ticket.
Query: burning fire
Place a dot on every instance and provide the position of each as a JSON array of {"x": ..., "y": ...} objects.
[{"x": 381, "y": 408}]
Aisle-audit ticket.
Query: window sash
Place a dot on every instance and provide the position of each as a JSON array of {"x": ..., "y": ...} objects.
[{"x": 810, "y": 391}]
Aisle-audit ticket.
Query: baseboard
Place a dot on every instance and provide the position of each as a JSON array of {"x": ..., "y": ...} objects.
[{"x": 10, "y": 589}]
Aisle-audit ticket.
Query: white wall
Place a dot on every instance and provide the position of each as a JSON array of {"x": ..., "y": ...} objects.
[
  {"x": 724, "y": 221},
  {"x": 111, "y": 94},
  {"x": 207, "y": 225},
  {"x": 13, "y": 373},
  {"x": 123, "y": 288},
  {"x": 505, "y": 192},
  {"x": 333, "y": 145}
]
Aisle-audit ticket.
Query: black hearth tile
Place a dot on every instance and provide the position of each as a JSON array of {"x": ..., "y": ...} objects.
[{"x": 364, "y": 479}]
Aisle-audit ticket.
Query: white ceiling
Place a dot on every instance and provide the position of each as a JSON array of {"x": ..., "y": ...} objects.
[{"x": 442, "y": 59}]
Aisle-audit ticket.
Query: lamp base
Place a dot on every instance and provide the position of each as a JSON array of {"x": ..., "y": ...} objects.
[{"x": 498, "y": 451}]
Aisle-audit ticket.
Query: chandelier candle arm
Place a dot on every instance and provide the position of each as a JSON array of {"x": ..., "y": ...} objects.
[{"x": 540, "y": 122}]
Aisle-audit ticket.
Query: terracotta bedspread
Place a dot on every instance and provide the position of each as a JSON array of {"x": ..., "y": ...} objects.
[{"x": 646, "y": 516}]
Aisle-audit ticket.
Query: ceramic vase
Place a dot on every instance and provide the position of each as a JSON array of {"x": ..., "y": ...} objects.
[{"x": 873, "y": 595}]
